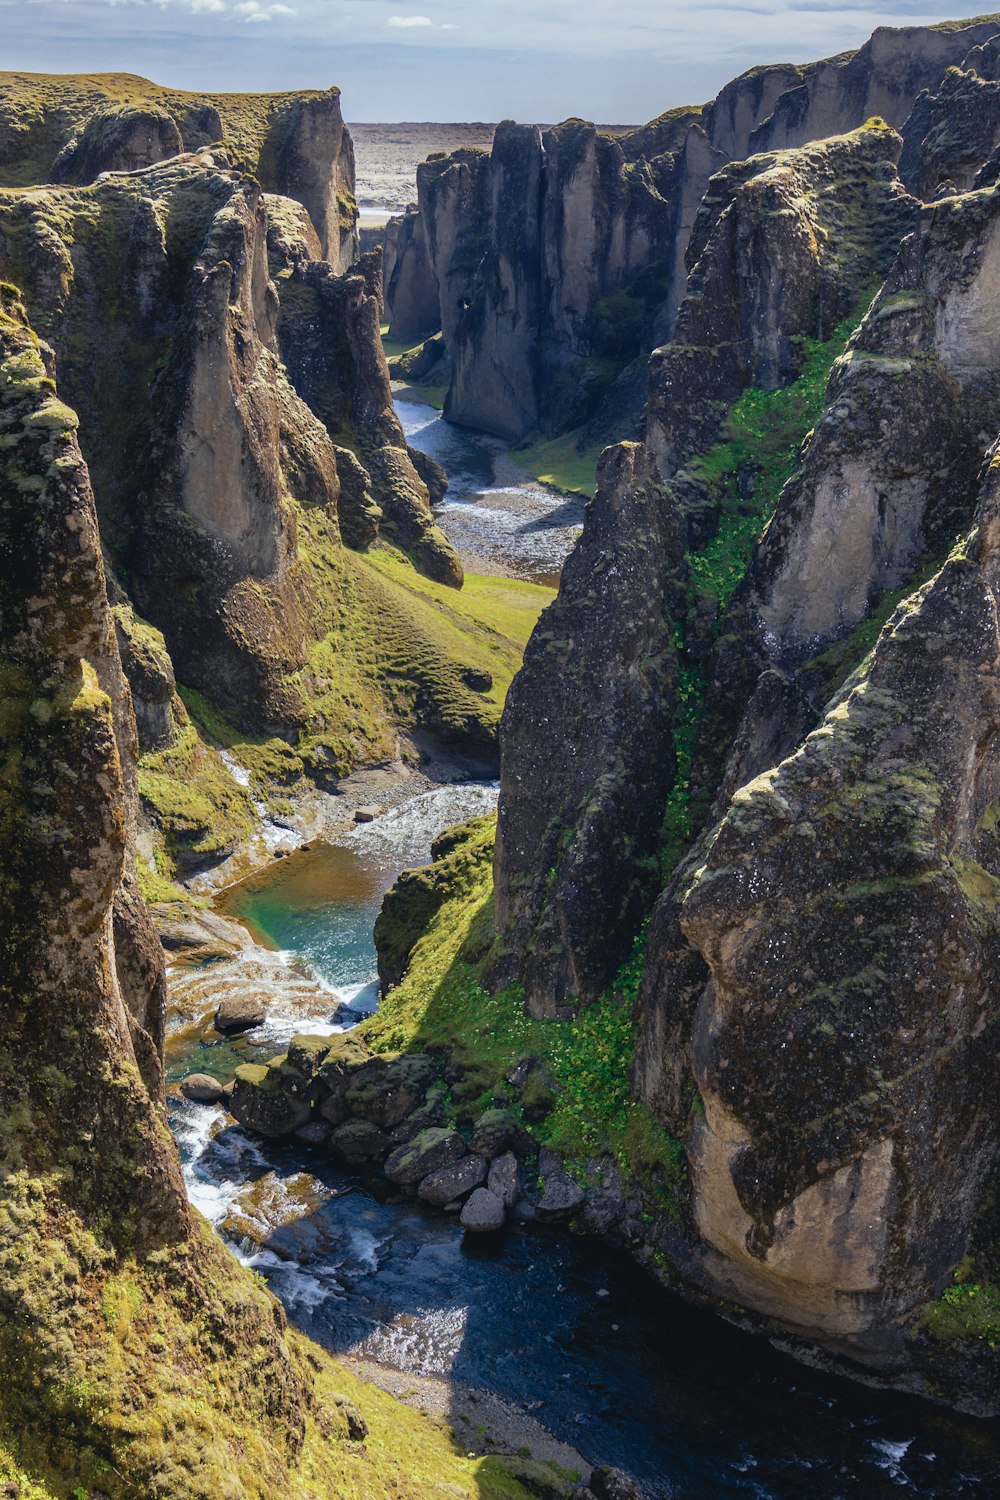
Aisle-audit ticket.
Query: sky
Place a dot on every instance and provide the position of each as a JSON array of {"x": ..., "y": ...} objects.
[{"x": 613, "y": 62}]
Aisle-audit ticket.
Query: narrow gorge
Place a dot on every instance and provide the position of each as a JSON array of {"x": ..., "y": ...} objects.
[{"x": 499, "y": 855}]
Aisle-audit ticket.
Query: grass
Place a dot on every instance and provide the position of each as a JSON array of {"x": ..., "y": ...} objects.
[
  {"x": 441, "y": 1003},
  {"x": 560, "y": 462},
  {"x": 968, "y": 1310},
  {"x": 765, "y": 430}
]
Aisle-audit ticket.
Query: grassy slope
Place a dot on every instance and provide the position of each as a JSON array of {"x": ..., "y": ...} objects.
[
  {"x": 441, "y": 1003},
  {"x": 395, "y": 656}
]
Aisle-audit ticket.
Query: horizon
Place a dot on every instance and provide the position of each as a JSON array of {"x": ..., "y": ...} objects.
[{"x": 398, "y": 54}]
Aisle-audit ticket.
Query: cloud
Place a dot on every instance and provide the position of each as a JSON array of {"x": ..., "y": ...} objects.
[{"x": 401, "y": 21}]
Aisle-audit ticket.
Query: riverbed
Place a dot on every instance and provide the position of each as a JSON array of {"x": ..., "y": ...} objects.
[
  {"x": 500, "y": 519},
  {"x": 567, "y": 1330}
]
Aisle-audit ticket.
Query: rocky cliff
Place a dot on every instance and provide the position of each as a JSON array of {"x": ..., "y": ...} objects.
[
  {"x": 70, "y": 129},
  {"x": 561, "y": 260},
  {"x": 236, "y": 414}
]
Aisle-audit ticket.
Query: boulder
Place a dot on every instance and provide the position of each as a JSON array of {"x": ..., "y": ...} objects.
[
  {"x": 450, "y": 1183},
  {"x": 316, "y": 1133},
  {"x": 504, "y": 1179},
  {"x": 561, "y": 1197},
  {"x": 385, "y": 1090},
  {"x": 359, "y": 1143},
  {"x": 499, "y": 1130},
  {"x": 431, "y": 1112},
  {"x": 613, "y": 1484},
  {"x": 483, "y": 1212},
  {"x": 261, "y": 1104},
  {"x": 202, "y": 1089},
  {"x": 426, "y": 1153},
  {"x": 239, "y": 1013}
]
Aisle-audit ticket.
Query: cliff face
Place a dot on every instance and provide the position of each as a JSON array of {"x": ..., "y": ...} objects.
[
  {"x": 159, "y": 282},
  {"x": 768, "y": 687},
  {"x": 139, "y": 1357},
  {"x": 71, "y": 129},
  {"x": 769, "y": 278},
  {"x": 560, "y": 261},
  {"x": 856, "y": 952}
]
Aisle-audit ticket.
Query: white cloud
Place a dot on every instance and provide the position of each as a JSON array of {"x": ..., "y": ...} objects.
[
  {"x": 401, "y": 21},
  {"x": 199, "y": 6}
]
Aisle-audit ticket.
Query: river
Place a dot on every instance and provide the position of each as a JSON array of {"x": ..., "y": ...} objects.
[{"x": 568, "y": 1329}]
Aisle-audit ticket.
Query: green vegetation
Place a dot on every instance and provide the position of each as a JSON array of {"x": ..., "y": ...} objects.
[
  {"x": 200, "y": 809},
  {"x": 562, "y": 463},
  {"x": 763, "y": 435},
  {"x": 966, "y": 1310},
  {"x": 441, "y": 1003}
]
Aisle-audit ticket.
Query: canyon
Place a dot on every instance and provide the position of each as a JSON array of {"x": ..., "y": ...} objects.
[{"x": 714, "y": 986}]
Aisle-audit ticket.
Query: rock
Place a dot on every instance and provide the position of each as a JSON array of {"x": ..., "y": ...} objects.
[
  {"x": 572, "y": 870},
  {"x": 478, "y": 679},
  {"x": 450, "y": 1183},
  {"x": 202, "y": 1088},
  {"x": 359, "y": 1143},
  {"x": 262, "y": 1105},
  {"x": 496, "y": 1131},
  {"x": 316, "y": 1133},
  {"x": 561, "y": 1197},
  {"x": 433, "y": 476},
  {"x": 613, "y": 1484},
  {"x": 431, "y": 1112},
  {"x": 538, "y": 1097},
  {"x": 426, "y": 1153},
  {"x": 483, "y": 1213},
  {"x": 366, "y": 814},
  {"x": 504, "y": 1179},
  {"x": 385, "y": 1091},
  {"x": 239, "y": 1013},
  {"x": 412, "y": 302}
]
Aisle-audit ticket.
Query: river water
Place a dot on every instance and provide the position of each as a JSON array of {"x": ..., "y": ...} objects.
[
  {"x": 567, "y": 1329},
  {"x": 500, "y": 519}
]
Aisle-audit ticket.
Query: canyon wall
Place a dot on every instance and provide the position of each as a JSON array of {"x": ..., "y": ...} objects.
[{"x": 561, "y": 257}]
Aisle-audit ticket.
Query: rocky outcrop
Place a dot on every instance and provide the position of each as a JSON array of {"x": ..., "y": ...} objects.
[
  {"x": 412, "y": 299},
  {"x": 578, "y": 831},
  {"x": 328, "y": 334},
  {"x": 72, "y": 129},
  {"x": 875, "y": 498},
  {"x": 770, "y": 270},
  {"x": 201, "y": 482},
  {"x": 856, "y": 954},
  {"x": 78, "y": 944},
  {"x": 769, "y": 274},
  {"x": 952, "y": 134}
]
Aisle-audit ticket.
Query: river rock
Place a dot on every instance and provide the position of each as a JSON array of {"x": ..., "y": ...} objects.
[
  {"x": 561, "y": 1197},
  {"x": 425, "y": 1154},
  {"x": 613, "y": 1484},
  {"x": 496, "y": 1131},
  {"x": 431, "y": 1112},
  {"x": 483, "y": 1212},
  {"x": 449, "y": 1183},
  {"x": 316, "y": 1133},
  {"x": 385, "y": 1091},
  {"x": 359, "y": 1142},
  {"x": 202, "y": 1089},
  {"x": 505, "y": 1179},
  {"x": 261, "y": 1104},
  {"x": 239, "y": 1013}
]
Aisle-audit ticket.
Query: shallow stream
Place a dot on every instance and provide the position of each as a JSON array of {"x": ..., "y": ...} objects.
[{"x": 500, "y": 519}]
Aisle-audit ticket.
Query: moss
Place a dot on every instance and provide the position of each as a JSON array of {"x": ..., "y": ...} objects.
[
  {"x": 964, "y": 1311},
  {"x": 200, "y": 810},
  {"x": 442, "y": 1004},
  {"x": 565, "y": 462}
]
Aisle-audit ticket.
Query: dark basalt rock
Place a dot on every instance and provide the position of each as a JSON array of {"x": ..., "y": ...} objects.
[
  {"x": 483, "y": 1213},
  {"x": 448, "y": 1184},
  {"x": 412, "y": 300},
  {"x": 426, "y": 1153},
  {"x": 586, "y": 747}
]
